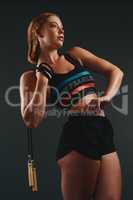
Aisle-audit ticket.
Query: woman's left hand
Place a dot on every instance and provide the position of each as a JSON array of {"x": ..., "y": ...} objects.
[
  {"x": 97, "y": 104},
  {"x": 103, "y": 101}
]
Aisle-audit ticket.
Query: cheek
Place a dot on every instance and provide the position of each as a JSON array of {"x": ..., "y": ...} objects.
[{"x": 51, "y": 36}]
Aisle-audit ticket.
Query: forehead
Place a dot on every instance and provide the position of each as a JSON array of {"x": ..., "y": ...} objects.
[{"x": 55, "y": 19}]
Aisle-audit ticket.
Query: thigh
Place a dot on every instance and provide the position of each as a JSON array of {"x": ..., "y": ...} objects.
[
  {"x": 109, "y": 180},
  {"x": 78, "y": 175}
]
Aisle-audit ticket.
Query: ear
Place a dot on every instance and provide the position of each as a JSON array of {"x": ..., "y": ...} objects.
[{"x": 39, "y": 35}]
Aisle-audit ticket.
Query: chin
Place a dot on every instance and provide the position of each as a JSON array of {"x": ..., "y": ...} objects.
[{"x": 59, "y": 44}]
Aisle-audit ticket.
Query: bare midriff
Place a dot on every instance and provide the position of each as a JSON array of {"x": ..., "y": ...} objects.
[{"x": 83, "y": 105}]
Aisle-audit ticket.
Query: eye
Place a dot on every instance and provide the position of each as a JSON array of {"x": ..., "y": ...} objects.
[
  {"x": 56, "y": 26},
  {"x": 53, "y": 25}
]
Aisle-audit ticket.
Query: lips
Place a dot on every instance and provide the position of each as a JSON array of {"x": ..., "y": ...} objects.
[{"x": 61, "y": 38}]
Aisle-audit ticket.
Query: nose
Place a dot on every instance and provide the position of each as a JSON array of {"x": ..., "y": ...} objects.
[{"x": 61, "y": 30}]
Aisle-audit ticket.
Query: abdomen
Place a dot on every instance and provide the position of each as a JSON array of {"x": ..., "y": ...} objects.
[{"x": 83, "y": 105}]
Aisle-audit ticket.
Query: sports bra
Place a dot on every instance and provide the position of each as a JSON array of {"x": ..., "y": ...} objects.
[{"x": 64, "y": 86}]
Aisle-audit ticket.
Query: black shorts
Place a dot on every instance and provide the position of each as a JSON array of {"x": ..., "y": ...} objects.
[{"x": 92, "y": 136}]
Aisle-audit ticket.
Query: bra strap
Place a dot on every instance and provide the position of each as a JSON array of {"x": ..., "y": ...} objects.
[{"x": 71, "y": 59}]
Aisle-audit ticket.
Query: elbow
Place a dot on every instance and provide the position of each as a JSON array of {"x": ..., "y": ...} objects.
[
  {"x": 31, "y": 124},
  {"x": 121, "y": 74},
  {"x": 32, "y": 120},
  {"x": 118, "y": 72}
]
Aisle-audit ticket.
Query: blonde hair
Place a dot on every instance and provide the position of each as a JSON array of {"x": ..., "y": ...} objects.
[{"x": 34, "y": 28}]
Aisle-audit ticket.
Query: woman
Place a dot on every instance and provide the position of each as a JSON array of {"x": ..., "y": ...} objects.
[{"x": 86, "y": 153}]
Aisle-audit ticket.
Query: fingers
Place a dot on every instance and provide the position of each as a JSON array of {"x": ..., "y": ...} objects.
[
  {"x": 94, "y": 106},
  {"x": 103, "y": 102}
]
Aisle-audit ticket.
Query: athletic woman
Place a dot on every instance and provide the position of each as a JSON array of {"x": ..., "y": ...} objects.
[{"x": 86, "y": 153}]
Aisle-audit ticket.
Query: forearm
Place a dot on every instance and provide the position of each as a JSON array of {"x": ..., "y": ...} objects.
[
  {"x": 39, "y": 96},
  {"x": 35, "y": 110},
  {"x": 114, "y": 82}
]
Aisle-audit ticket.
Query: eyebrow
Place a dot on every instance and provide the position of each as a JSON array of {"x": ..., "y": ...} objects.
[{"x": 56, "y": 23}]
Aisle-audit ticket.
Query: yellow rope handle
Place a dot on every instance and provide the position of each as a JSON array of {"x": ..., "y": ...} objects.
[
  {"x": 30, "y": 174},
  {"x": 32, "y": 177},
  {"x": 34, "y": 187}
]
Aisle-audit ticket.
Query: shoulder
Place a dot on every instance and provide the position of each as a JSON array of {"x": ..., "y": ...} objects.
[
  {"x": 79, "y": 53},
  {"x": 75, "y": 53},
  {"x": 75, "y": 49}
]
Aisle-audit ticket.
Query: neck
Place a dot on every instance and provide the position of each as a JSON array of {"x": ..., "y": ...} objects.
[{"x": 49, "y": 56}]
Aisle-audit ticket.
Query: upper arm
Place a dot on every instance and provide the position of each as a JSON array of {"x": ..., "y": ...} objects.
[
  {"x": 27, "y": 87},
  {"x": 93, "y": 62}
]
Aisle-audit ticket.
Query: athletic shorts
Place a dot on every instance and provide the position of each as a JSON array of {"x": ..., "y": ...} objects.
[{"x": 92, "y": 136}]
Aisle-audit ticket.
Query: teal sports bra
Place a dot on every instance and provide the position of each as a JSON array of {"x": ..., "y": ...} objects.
[{"x": 63, "y": 86}]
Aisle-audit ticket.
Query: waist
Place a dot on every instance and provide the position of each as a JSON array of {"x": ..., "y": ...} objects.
[{"x": 82, "y": 107}]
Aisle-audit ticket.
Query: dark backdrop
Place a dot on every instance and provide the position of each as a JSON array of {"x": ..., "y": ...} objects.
[{"x": 104, "y": 29}]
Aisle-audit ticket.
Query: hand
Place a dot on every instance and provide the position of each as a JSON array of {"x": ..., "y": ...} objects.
[
  {"x": 95, "y": 105},
  {"x": 104, "y": 100}
]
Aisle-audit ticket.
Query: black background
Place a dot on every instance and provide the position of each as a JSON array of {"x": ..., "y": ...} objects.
[{"x": 104, "y": 28}]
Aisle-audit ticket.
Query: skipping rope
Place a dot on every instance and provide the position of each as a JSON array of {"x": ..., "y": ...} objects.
[{"x": 32, "y": 177}]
